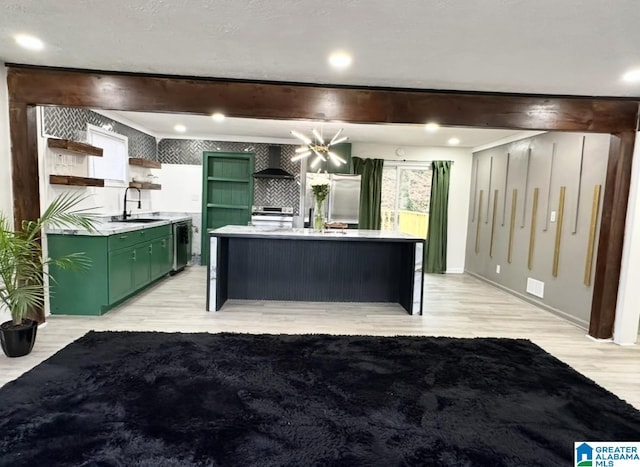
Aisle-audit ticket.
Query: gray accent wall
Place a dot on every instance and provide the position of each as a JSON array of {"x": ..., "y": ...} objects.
[
  {"x": 565, "y": 294},
  {"x": 66, "y": 122},
  {"x": 267, "y": 191}
]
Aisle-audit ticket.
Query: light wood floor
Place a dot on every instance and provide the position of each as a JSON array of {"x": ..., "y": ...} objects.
[{"x": 455, "y": 305}]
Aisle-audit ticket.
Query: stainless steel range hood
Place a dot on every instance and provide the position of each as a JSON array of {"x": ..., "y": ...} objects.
[{"x": 274, "y": 170}]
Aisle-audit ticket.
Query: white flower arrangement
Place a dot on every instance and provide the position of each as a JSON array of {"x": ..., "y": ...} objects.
[{"x": 320, "y": 188}]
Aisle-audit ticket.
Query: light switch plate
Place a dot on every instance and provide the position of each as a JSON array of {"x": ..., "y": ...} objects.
[
  {"x": 553, "y": 216},
  {"x": 497, "y": 269}
]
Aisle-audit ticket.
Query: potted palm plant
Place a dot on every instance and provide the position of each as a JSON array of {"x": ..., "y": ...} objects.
[{"x": 23, "y": 273}]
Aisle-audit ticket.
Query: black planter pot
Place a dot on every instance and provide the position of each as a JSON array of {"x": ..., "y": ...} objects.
[{"x": 18, "y": 341}]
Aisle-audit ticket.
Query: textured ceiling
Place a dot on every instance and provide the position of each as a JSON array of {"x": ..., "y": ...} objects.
[{"x": 579, "y": 47}]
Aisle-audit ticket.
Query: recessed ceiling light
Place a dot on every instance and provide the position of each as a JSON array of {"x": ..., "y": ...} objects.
[
  {"x": 180, "y": 128},
  {"x": 632, "y": 76},
  {"x": 340, "y": 60},
  {"x": 218, "y": 117},
  {"x": 29, "y": 42},
  {"x": 453, "y": 141},
  {"x": 431, "y": 127}
]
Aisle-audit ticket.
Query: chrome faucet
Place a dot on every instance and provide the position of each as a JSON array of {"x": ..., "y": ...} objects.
[{"x": 124, "y": 210}]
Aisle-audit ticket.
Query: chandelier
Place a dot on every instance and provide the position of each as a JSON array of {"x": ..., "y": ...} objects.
[{"x": 318, "y": 147}]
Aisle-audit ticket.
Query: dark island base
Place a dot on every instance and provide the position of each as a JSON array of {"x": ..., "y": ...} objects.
[{"x": 315, "y": 270}]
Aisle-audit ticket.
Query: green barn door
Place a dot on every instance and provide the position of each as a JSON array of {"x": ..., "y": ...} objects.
[{"x": 227, "y": 192}]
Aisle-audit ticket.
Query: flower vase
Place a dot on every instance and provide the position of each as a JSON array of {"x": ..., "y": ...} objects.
[{"x": 318, "y": 216}]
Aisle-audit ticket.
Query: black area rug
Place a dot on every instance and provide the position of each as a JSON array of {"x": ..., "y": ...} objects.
[{"x": 155, "y": 399}]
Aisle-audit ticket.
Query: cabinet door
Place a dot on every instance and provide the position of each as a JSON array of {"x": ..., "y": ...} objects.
[
  {"x": 141, "y": 265},
  {"x": 227, "y": 192},
  {"x": 81, "y": 291},
  {"x": 121, "y": 273},
  {"x": 161, "y": 257}
]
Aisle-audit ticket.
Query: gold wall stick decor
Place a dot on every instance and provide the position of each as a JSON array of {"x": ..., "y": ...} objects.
[
  {"x": 546, "y": 219},
  {"x": 514, "y": 201},
  {"x": 486, "y": 220},
  {"x": 478, "y": 223},
  {"x": 526, "y": 189},
  {"x": 493, "y": 221},
  {"x": 532, "y": 236},
  {"x": 475, "y": 189},
  {"x": 595, "y": 208},
  {"x": 556, "y": 248},
  {"x": 506, "y": 180},
  {"x": 575, "y": 221}
]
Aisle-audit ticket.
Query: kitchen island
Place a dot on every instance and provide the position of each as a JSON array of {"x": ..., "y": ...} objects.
[{"x": 351, "y": 265}]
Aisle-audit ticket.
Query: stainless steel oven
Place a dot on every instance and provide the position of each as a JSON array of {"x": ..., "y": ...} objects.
[{"x": 272, "y": 216}]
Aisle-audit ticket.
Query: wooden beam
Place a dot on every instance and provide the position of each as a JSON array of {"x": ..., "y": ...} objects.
[
  {"x": 119, "y": 91},
  {"x": 24, "y": 157},
  {"x": 612, "y": 223}
]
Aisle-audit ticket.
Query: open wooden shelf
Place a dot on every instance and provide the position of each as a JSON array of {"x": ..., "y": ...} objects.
[
  {"x": 75, "y": 147},
  {"x": 149, "y": 164},
  {"x": 145, "y": 185},
  {"x": 75, "y": 181}
]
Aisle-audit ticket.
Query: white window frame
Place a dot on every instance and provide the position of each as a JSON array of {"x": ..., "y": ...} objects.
[{"x": 93, "y": 129}]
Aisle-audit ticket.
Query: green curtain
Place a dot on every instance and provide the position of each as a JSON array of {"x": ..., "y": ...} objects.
[
  {"x": 370, "y": 191},
  {"x": 435, "y": 258}
]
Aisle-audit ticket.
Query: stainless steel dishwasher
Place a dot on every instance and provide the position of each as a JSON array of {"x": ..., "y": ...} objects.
[{"x": 181, "y": 245}]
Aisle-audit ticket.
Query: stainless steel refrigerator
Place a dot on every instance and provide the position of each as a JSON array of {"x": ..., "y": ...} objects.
[{"x": 343, "y": 202}]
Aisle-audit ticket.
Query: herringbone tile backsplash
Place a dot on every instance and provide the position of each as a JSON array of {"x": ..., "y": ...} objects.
[{"x": 66, "y": 122}]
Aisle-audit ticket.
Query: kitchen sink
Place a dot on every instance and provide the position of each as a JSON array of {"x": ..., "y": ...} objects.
[{"x": 139, "y": 221}]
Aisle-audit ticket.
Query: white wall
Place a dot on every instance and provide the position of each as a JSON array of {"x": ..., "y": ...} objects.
[
  {"x": 459, "y": 188},
  {"x": 625, "y": 329},
  {"x": 181, "y": 188},
  {"x": 6, "y": 198}
]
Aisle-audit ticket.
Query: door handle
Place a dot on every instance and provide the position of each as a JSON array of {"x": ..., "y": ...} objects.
[
  {"x": 151, "y": 248},
  {"x": 134, "y": 255}
]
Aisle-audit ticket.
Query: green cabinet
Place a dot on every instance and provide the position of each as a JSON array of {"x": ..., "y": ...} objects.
[
  {"x": 160, "y": 257},
  {"x": 227, "y": 192},
  {"x": 121, "y": 265}
]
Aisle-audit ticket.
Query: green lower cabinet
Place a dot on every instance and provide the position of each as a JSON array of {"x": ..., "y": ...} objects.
[
  {"x": 79, "y": 292},
  {"x": 120, "y": 274},
  {"x": 121, "y": 265},
  {"x": 161, "y": 257},
  {"x": 141, "y": 266}
]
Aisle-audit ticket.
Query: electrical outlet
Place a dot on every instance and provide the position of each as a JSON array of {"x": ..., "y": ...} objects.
[
  {"x": 497, "y": 269},
  {"x": 553, "y": 216}
]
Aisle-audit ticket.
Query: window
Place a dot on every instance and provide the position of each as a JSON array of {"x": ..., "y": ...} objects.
[
  {"x": 406, "y": 192},
  {"x": 112, "y": 166}
]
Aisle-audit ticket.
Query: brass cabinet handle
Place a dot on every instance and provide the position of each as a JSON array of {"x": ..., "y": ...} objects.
[
  {"x": 151, "y": 248},
  {"x": 122, "y": 237},
  {"x": 164, "y": 243},
  {"x": 134, "y": 255}
]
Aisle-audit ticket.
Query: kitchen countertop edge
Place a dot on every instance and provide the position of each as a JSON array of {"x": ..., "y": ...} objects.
[
  {"x": 310, "y": 234},
  {"x": 104, "y": 229}
]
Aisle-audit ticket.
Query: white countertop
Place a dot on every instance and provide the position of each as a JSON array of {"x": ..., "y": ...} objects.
[
  {"x": 346, "y": 234},
  {"x": 104, "y": 227}
]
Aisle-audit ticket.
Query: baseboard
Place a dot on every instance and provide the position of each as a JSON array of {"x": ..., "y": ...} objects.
[
  {"x": 564, "y": 315},
  {"x": 455, "y": 271},
  {"x": 595, "y": 339}
]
